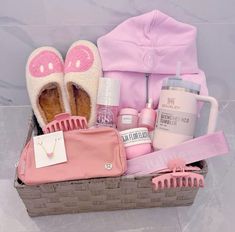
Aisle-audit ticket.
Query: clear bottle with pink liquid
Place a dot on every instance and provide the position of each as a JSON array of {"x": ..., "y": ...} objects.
[
  {"x": 148, "y": 116},
  {"x": 107, "y": 102}
]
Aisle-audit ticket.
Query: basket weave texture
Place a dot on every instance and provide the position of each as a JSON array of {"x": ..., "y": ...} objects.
[{"x": 101, "y": 194}]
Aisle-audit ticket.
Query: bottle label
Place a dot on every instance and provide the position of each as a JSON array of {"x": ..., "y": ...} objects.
[
  {"x": 126, "y": 119},
  {"x": 176, "y": 122},
  {"x": 135, "y": 136},
  {"x": 105, "y": 117}
]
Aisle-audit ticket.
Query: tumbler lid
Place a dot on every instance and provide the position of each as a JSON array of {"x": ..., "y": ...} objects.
[{"x": 179, "y": 84}]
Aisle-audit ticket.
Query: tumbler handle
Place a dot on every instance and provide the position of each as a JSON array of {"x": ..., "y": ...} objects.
[{"x": 214, "y": 108}]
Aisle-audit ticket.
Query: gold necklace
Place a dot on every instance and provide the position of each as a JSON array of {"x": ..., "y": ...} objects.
[{"x": 49, "y": 154}]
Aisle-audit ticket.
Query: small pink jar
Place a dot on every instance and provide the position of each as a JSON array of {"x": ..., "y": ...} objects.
[
  {"x": 136, "y": 142},
  {"x": 127, "y": 119}
]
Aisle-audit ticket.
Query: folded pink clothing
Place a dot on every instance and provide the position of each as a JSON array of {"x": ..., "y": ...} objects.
[
  {"x": 91, "y": 153},
  {"x": 149, "y": 44}
]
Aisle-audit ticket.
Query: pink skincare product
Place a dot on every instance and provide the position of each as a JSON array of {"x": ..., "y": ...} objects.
[
  {"x": 107, "y": 102},
  {"x": 148, "y": 116},
  {"x": 127, "y": 119},
  {"x": 136, "y": 142}
]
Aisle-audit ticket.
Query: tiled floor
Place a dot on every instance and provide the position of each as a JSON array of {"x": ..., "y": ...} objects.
[{"x": 212, "y": 211}]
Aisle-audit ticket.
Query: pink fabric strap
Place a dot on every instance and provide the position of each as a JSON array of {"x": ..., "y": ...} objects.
[{"x": 200, "y": 148}]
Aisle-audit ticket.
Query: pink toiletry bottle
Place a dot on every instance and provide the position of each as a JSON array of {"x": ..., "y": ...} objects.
[
  {"x": 148, "y": 116},
  {"x": 107, "y": 102}
]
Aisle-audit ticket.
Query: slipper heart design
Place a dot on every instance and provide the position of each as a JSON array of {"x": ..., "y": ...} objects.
[
  {"x": 44, "y": 78},
  {"x": 82, "y": 72}
]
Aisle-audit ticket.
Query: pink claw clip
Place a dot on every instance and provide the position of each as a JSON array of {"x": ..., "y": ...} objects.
[
  {"x": 179, "y": 175},
  {"x": 65, "y": 122}
]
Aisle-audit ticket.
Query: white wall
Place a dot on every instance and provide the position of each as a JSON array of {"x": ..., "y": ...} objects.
[{"x": 26, "y": 25}]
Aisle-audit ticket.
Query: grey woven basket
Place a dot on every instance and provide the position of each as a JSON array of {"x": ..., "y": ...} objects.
[{"x": 100, "y": 194}]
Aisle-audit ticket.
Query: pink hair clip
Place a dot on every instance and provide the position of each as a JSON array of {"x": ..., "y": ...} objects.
[
  {"x": 179, "y": 175},
  {"x": 65, "y": 122}
]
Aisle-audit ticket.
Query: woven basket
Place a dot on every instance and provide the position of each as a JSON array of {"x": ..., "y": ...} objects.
[{"x": 100, "y": 194}]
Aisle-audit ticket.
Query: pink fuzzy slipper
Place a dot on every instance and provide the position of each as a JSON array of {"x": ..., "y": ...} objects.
[
  {"x": 82, "y": 72},
  {"x": 44, "y": 77}
]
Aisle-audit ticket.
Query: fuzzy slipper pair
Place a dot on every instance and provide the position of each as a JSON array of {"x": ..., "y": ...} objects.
[{"x": 55, "y": 86}]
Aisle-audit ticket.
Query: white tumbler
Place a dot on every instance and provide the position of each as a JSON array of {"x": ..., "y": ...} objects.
[{"x": 177, "y": 112}]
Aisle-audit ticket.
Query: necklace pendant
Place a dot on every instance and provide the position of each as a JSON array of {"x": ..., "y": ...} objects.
[{"x": 50, "y": 154}]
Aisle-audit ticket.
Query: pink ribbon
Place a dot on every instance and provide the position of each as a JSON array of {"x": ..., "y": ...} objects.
[{"x": 200, "y": 148}]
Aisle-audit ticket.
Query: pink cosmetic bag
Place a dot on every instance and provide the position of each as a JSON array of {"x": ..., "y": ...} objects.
[{"x": 91, "y": 153}]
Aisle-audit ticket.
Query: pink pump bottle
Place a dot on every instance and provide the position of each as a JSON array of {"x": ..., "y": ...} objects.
[{"x": 148, "y": 116}]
